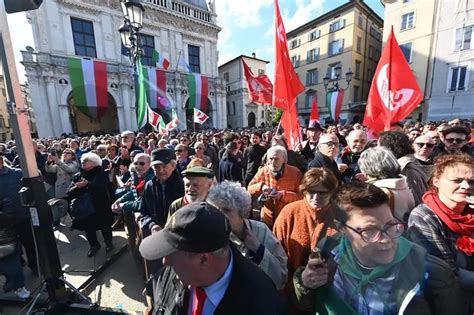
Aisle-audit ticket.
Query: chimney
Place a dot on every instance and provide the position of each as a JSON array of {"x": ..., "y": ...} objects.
[{"x": 254, "y": 55}]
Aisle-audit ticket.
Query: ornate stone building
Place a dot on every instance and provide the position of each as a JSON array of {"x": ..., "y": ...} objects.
[{"x": 88, "y": 29}]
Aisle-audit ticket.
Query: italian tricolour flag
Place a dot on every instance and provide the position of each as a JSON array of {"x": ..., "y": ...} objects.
[
  {"x": 155, "y": 87},
  {"x": 334, "y": 103},
  {"x": 89, "y": 86},
  {"x": 198, "y": 87}
]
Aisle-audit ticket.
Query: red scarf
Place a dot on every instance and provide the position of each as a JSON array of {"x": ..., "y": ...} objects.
[
  {"x": 140, "y": 186},
  {"x": 462, "y": 224}
]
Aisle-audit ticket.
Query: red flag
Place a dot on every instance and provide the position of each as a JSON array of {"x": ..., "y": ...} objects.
[
  {"x": 287, "y": 84},
  {"x": 394, "y": 92},
  {"x": 260, "y": 87},
  {"x": 314, "y": 111}
]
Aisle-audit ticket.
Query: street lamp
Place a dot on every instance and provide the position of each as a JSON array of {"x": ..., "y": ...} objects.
[
  {"x": 132, "y": 11},
  {"x": 327, "y": 80}
]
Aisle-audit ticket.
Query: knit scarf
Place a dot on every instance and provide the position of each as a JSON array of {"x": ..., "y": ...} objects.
[
  {"x": 462, "y": 224},
  {"x": 348, "y": 263}
]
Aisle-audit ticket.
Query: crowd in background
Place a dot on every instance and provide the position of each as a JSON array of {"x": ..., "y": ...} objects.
[{"x": 340, "y": 224}]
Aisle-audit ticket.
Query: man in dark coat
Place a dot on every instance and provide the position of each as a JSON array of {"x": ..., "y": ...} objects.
[
  {"x": 253, "y": 155},
  {"x": 214, "y": 278},
  {"x": 308, "y": 147},
  {"x": 165, "y": 187},
  {"x": 328, "y": 149}
]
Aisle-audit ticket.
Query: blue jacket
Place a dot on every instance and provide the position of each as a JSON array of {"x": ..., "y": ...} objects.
[
  {"x": 156, "y": 201},
  {"x": 130, "y": 200},
  {"x": 10, "y": 185}
]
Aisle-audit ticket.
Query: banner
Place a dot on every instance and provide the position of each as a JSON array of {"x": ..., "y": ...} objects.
[{"x": 260, "y": 87}]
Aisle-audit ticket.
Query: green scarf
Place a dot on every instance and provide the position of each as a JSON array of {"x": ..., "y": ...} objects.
[
  {"x": 348, "y": 264},
  {"x": 329, "y": 303}
]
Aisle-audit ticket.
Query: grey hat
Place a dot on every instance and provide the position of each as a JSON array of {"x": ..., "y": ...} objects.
[
  {"x": 198, "y": 171},
  {"x": 162, "y": 156}
]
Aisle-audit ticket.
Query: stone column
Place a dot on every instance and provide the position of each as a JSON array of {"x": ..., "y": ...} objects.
[
  {"x": 44, "y": 124},
  {"x": 64, "y": 116},
  {"x": 124, "y": 111},
  {"x": 53, "y": 105}
]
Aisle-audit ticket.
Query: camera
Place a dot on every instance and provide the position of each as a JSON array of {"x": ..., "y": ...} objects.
[{"x": 76, "y": 178}]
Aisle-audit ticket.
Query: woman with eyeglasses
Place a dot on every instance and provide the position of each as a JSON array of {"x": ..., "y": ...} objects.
[
  {"x": 303, "y": 223},
  {"x": 369, "y": 268},
  {"x": 444, "y": 222},
  {"x": 64, "y": 168},
  {"x": 200, "y": 150}
]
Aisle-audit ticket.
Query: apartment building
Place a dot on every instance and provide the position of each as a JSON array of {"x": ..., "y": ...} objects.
[
  {"x": 435, "y": 36},
  {"x": 346, "y": 38},
  {"x": 241, "y": 112}
]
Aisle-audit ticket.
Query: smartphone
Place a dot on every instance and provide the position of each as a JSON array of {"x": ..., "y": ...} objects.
[{"x": 315, "y": 253}]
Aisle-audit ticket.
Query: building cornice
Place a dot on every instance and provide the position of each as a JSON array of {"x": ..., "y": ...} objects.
[{"x": 241, "y": 57}]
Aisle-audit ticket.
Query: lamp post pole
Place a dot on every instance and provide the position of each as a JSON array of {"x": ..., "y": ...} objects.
[
  {"x": 130, "y": 33},
  {"x": 331, "y": 81}
]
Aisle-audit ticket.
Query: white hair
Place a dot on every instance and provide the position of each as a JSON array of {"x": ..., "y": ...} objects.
[
  {"x": 91, "y": 157},
  {"x": 142, "y": 155},
  {"x": 379, "y": 163},
  {"x": 279, "y": 149},
  {"x": 231, "y": 196}
]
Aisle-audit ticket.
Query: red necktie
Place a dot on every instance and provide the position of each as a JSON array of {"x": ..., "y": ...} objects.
[{"x": 198, "y": 302}]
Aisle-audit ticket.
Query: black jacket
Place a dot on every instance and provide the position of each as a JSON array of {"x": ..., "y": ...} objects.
[
  {"x": 250, "y": 292},
  {"x": 156, "y": 202},
  {"x": 230, "y": 168},
  {"x": 98, "y": 188},
  {"x": 7, "y": 222},
  {"x": 253, "y": 159},
  {"x": 321, "y": 160}
]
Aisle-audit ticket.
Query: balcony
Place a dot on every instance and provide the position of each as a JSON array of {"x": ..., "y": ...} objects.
[{"x": 181, "y": 8}]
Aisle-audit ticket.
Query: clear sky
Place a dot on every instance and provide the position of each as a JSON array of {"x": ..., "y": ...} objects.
[{"x": 247, "y": 26}]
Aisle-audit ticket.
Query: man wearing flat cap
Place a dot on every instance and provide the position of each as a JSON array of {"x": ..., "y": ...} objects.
[
  {"x": 203, "y": 273},
  {"x": 197, "y": 182},
  {"x": 165, "y": 187},
  {"x": 308, "y": 147}
]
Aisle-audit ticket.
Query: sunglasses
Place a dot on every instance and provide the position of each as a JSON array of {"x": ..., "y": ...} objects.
[
  {"x": 428, "y": 145},
  {"x": 331, "y": 144},
  {"x": 457, "y": 140},
  {"x": 199, "y": 148},
  {"x": 139, "y": 163}
]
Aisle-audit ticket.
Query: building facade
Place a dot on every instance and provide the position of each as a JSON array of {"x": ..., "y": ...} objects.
[
  {"x": 88, "y": 29},
  {"x": 435, "y": 36},
  {"x": 241, "y": 112},
  {"x": 350, "y": 37},
  {"x": 6, "y": 132}
]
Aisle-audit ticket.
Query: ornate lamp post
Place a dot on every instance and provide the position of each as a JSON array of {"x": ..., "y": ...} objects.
[
  {"x": 334, "y": 82},
  {"x": 130, "y": 29}
]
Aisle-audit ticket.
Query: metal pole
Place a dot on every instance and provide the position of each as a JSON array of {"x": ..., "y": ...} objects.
[{"x": 48, "y": 256}]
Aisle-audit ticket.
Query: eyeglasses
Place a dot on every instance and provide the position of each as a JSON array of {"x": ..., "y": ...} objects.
[
  {"x": 457, "y": 140},
  {"x": 331, "y": 144},
  {"x": 372, "y": 235},
  {"x": 199, "y": 148},
  {"x": 421, "y": 145},
  {"x": 178, "y": 151},
  {"x": 183, "y": 139},
  {"x": 139, "y": 163},
  {"x": 322, "y": 194}
]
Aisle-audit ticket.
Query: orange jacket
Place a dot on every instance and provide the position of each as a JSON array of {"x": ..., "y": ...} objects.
[{"x": 287, "y": 184}]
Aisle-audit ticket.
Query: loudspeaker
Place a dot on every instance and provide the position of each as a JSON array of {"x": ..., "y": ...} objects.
[{"x": 13, "y": 6}]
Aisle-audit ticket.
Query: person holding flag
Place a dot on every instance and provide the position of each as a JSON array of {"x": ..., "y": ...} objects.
[{"x": 313, "y": 132}]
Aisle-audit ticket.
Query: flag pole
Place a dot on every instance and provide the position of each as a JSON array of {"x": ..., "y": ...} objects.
[{"x": 390, "y": 78}]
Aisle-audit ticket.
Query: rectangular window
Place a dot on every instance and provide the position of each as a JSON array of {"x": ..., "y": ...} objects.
[
  {"x": 407, "y": 51},
  {"x": 332, "y": 70},
  {"x": 377, "y": 54},
  {"x": 407, "y": 21},
  {"x": 361, "y": 21},
  {"x": 312, "y": 77},
  {"x": 148, "y": 45},
  {"x": 357, "y": 69},
  {"x": 356, "y": 94},
  {"x": 312, "y": 55},
  {"x": 295, "y": 43},
  {"x": 369, "y": 75},
  {"x": 336, "y": 47},
  {"x": 371, "y": 52},
  {"x": 337, "y": 25},
  {"x": 463, "y": 38},
  {"x": 2, "y": 122},
  {"x": 194, "y": 60},
  {"x": 309, "y": 100},
  {"x": 295, "y": 60},
  {"x": 359, "y": 44},
  {"x": 459, "y": 79},
  {"x": 314, "y": 35},
  {"x": 226, "y": 77},
  {"x": 83, "y": 38}
]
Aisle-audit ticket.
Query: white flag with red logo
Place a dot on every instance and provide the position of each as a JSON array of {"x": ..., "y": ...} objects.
[
  {"x": 174, "y": 121},
  {"x": 199, "y": 116}
]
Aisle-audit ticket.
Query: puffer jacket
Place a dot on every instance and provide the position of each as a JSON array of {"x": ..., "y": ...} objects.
[{"x": 64, "y": 172}]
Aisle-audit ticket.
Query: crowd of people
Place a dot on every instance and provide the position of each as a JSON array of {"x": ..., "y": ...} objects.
[{"x": 239, "y": 222}]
